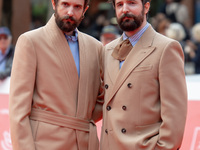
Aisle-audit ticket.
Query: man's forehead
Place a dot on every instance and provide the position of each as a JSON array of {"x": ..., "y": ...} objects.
[
  {"x": 74, "y": 2},
  {"x": 117, "y": 1}
]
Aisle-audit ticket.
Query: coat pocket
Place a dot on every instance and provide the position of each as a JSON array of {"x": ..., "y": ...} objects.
[
  {"x": 143, "y": 68},
  {"x": 151, "y": 129},
  {"x": 148, "y": 136}
]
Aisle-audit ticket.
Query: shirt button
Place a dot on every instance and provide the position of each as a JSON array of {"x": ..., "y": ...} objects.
[
  {"x": 123, "y": 130},
  {"x": 106, "y": 131},
  {"x": 129, "y": 85},
  {"x": 108, "y": 108},
  {"x": 106, "y": 86},
  {"x": 124, "y": 107}
]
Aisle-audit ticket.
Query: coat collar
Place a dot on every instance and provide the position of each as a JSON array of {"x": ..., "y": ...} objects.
[
  {"x": 60, "y": 45},
  {"x": 140, "y": 52},
  {"x": 62, "y": 48}
]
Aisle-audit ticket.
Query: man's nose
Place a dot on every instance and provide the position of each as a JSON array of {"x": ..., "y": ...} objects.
[
  {"x": 125, "y": 8},
  {"x": 70, "y": 11}
]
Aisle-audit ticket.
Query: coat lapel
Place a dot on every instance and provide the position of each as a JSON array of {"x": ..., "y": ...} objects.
[
  {"x": 113, "y": 64},
  {"x": 139, "y": 53},
  {"x": 60, "y": 45},
  {"x": 83, "y": 76}
]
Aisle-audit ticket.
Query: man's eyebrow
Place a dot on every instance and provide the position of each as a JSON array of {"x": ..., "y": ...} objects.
[
  {"x": 127, "y": 1},
  {"x": 80, "y": 5},
  {"x": 131, "y": 0}
]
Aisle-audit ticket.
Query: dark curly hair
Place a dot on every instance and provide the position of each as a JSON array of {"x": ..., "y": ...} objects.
[
  {"x": 85, "y": 5},
  {"x": 143, "y": 1}
]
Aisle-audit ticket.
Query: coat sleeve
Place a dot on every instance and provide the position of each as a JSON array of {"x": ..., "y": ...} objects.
[
  {"x": 98, "y": 111},
  {"x": 21, "y": 94},
  {"x": 173, "y": 97}
]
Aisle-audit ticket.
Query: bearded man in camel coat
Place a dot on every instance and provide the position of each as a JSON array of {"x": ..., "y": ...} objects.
[
  {"x": 145, "y": 104},
  {"x": 55, "y": 93}
]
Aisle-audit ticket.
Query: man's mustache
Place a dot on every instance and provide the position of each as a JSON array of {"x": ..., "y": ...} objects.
[
  {"x": 127, "y": 15},
  {"x": 69, "y": 17}
]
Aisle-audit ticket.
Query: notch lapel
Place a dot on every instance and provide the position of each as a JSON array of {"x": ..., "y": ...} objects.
[
  {"x": 113, "y": 67},
  {"x": 112, "y": 64}
]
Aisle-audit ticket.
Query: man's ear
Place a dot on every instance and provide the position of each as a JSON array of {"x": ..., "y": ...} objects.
[
  {"x": 146, "y": 7},
  {"x": 85, "y": 10},
  {"x": 53, "y": 4}
]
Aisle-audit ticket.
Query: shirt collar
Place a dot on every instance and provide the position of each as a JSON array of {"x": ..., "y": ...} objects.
[
  {"x": 72, "y": 38},
  {"x": 133, "y": 39}
]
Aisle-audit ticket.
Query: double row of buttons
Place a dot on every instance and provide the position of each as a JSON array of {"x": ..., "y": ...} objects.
[
  {"x": 129, "y": 85},
  {"x": 123, "y": 130},
  {"x": 109, "y": 108}
]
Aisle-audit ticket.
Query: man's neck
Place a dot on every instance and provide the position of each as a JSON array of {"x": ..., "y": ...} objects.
[{"x": 71, "y": 33}]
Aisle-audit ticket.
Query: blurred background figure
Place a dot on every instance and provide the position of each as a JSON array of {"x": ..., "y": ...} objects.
[
  {"x": 108, "y": 34},
  {"x": 160, "y": 23},
  {"x": 6, "y": 52},
  {"x": 176, "y": 32},
  {"x": 193, "y": 48},
  {"x": 176, "y": 11}
]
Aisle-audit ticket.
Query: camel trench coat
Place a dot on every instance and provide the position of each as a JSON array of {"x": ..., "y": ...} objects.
[
  {"x": 146, "y": 100},
  {"x": 51, "y": 108}
]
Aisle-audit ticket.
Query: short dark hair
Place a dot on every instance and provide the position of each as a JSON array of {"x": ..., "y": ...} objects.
[
  {"x": 143, "y": 1},
  {"x": 85, "y": 5}
]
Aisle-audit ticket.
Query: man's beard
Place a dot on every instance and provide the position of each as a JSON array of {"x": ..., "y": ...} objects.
[
  {"x": 67, "y": 26},
  {"x": 131, "y": 23}
]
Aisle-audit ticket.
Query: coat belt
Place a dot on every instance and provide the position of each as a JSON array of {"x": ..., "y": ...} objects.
[{"x": 68, "y": 122}]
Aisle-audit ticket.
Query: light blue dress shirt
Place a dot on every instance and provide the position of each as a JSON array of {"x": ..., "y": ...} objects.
[
  {"x": 3, "y": 60},
  {"x": 135, "y": 38},
  {"x": 74, "y": 47}
]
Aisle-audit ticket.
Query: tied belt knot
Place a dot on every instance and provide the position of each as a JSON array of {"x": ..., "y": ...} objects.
[{"x": 68, "y": 122}]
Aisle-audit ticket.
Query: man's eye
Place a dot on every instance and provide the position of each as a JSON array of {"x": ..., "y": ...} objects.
[
  {"x": 65, "y": 4},
  {"x": 119, "y": 5},
  {"x": 78, "y": 7},
  {"x": 131, "y": 3}
]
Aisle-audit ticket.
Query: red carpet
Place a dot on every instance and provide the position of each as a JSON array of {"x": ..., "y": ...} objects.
[{"x": 191, "y": 140}]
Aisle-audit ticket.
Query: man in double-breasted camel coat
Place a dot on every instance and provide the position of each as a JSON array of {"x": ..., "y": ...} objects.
[
  {"x": 145, "y": 94},
  {"x": 52, "y": 99}
]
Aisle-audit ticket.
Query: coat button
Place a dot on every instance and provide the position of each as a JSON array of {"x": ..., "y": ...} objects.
[
  {"x": 129, "y": 85},
  {"x": 123, "y": 130},
  {"x": 106, "y": 131},
  {"x": 108, "y": 108},
  {"x": 124, "y": 107},
  {"x": 106, "y": 86}
]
